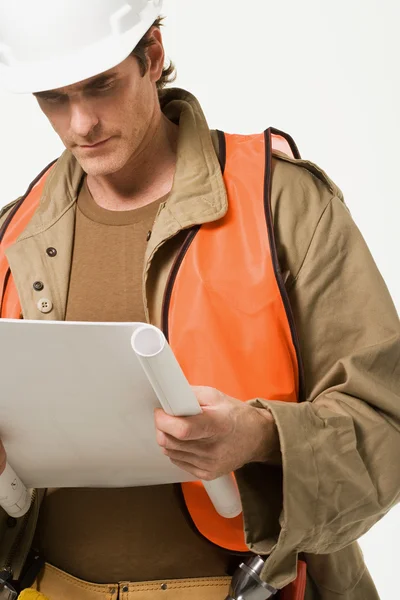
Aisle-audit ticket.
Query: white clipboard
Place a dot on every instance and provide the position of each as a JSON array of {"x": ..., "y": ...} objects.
[{"x": 77, "y": 406}]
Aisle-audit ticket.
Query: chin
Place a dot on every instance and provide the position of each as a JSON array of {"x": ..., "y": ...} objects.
[{"x": 100, "y": 165}]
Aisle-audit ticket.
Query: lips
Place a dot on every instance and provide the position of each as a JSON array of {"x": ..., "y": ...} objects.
[{"x": 88, "y": 146}]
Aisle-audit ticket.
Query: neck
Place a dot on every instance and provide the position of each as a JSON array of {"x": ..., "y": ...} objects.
[{"x": 147, "y": 176}]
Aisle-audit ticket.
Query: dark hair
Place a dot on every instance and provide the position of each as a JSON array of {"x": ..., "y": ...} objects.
[{"x": 168, "y": 74}]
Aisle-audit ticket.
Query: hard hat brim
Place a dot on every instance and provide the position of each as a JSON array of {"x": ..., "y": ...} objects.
[{"x": 64, "y": 71}]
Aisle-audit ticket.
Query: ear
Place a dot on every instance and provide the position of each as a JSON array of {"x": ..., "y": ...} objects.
[{"x": 155, "y": 54}]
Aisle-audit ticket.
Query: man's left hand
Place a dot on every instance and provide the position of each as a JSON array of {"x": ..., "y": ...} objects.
[{"x": 225, "y": 436}]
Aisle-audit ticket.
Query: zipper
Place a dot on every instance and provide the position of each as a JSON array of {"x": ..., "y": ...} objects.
[
  {"x": 172, "y": 278},
  {"x": 22, "y": 530}
]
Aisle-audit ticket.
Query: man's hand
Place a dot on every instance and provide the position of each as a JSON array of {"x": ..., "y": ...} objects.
[
  {"x": 227, "y": 435},
  {"x": 3, "y": 458}
]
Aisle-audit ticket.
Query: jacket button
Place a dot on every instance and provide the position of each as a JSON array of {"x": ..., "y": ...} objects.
[
  {"x": 38, "y": 286},
  {"x": 51, "y": 252},
  {"x": 45, "y": 305},
  {"x": 148, "y": 236}
]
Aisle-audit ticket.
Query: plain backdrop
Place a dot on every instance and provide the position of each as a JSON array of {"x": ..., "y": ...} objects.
[{"x": 325, "y": 71}]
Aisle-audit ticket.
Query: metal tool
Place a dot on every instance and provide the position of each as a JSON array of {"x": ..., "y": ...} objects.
[
  {"x": 7, "y": 590},
  {"x": 246, "y": 583}
]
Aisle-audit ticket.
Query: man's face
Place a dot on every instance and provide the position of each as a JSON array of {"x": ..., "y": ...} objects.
[{"x": 103, "y": 120}]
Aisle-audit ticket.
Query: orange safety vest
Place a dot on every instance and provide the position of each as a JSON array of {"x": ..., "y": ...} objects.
[{"x": 226, "y": 312}]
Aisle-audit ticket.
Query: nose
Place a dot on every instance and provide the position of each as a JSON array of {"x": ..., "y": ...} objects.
[{"x": 83, "y": 118}]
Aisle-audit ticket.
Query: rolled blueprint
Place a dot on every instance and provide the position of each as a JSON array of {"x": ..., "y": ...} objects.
[
  {"x": 178, "y": 399},
  {"x": 14, "y": 497}
]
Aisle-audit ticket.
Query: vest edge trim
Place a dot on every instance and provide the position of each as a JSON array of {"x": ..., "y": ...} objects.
[{"x": 274, "y": 253}]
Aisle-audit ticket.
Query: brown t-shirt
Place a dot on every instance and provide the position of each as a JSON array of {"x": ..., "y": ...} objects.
[{"x": 132, "y": 534}]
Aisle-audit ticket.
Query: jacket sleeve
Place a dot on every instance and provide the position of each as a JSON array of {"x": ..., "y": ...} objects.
[{"x": 340, "y": 448}]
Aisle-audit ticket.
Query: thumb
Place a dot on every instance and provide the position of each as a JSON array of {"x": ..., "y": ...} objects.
[{"x": 207, "y": 396}]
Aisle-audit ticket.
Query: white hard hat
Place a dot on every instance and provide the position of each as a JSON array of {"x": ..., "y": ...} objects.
[{"x": 47, "y": 44}]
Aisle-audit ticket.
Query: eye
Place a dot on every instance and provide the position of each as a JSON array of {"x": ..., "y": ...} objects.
[
  {"x": 104, "y": 87},
  {"x": 53, "y": 98}
]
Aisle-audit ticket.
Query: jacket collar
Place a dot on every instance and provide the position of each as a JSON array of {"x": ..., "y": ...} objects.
[{"x": 198, "y": 194}]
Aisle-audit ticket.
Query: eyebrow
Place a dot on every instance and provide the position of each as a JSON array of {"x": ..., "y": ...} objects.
[{"x": 93, "y": 83}]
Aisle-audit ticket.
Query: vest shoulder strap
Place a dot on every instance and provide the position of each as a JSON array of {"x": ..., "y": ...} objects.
[
  {"x": 280, "y": 152},
  {"x": 311, "y": 168}
]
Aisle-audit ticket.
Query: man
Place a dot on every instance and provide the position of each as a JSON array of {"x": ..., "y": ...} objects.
[{"x": 251, "y": 264}]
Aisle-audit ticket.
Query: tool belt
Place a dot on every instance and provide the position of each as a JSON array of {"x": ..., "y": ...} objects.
[
  {"x": 47, "y": 582},
  {"x": 54, "y": 584}
]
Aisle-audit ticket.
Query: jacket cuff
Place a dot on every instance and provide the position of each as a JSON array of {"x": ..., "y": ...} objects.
[{"x": 268, "y": 530}]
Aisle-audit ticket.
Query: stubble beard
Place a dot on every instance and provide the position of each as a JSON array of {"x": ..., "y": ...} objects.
[{"x": 101, "y": 165}]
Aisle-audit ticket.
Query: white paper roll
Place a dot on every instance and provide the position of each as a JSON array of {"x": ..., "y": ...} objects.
[
  {"x": 14, "y": 497},
  {"x": 224, "y": 494},
  {"x": 164, "y": 373},
  {"x": 178, "y": 398}
]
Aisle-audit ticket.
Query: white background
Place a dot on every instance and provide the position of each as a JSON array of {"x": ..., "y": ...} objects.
[{"x": 325, "y": 71}]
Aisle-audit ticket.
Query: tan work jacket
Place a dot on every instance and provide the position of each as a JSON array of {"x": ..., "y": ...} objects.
[{"x": 340, "y": 449}]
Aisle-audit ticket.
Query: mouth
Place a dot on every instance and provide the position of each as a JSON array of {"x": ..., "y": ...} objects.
[{"x": 93, "y": 146}]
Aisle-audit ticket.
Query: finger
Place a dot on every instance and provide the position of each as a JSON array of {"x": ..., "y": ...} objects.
[
  {"x": 198, "y": 473},
  {"x": 199, "y": 447},
  {"x": 207, "y": 396},
  {"x": 185, "y": 428},
  {"x": 161, "y": 438},
  {"x": 3, "y": 457},
  {"x": 200, "y": 462}
]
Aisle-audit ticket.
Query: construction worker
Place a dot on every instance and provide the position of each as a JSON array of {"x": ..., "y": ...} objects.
[{"x": 248, "y": 259}]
